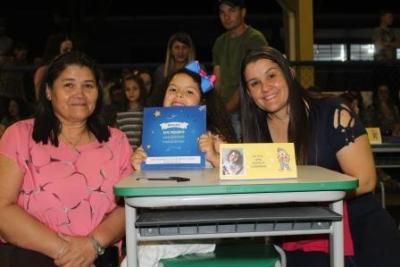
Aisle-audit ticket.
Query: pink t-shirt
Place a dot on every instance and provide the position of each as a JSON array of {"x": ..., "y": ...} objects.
[{"x": 68, "y": 189}]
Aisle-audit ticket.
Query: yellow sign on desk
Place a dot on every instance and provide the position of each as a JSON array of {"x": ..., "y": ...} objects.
[
  {"x": 257, "y": 161},
  {"x": 374, "y": 135}
]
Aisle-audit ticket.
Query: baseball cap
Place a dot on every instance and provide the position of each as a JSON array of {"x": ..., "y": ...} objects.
[{"x": 232, "y": 3}]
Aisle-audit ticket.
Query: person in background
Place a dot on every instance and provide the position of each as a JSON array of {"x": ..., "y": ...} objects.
[
  {"x": 146, "y": 78},
  {"x": 117, "y": 104},
  {"x": 354, "y": 100},
  {"x": 180, "y": 51},
  {"x": 57, "y": 173},
  {"x": 325, "y": 132},
  {"x": 228, "y": 50},
  {"x": 184, "y": 88},
  {"x": 56, "y": 44},
  {"x": 134, "y": 100},
  {"x": 385, "y": 39},
  {"x": 17, "y": 109},
  {"x": 384, "y": 112}
]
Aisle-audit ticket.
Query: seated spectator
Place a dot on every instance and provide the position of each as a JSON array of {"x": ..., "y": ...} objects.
[
  {"x": 17, "y": 110},
  {"x": 57, "y": 173},
  {"x": 117, "y": 104},
  {"x": 129, "y": 120},
  {"x": 146, "y": 78},
  {"x": 384, "y": 112}
]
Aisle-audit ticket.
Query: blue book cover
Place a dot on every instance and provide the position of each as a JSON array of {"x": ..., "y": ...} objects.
[{"x": 170, "y": 136}]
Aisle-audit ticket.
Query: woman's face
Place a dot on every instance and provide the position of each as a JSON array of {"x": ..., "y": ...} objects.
[
  {"x": 132, "y": 91},
  {"x": 182, "y": 90},
  {"x": 180, "y": 52},
  {"x": 267, "y": 86},
  {"x": 66, "y": 46},
  {"x": 73, "y": 94}
]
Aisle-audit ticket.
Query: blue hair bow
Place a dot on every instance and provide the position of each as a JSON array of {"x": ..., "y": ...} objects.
[{"x": 207, "y": 81}]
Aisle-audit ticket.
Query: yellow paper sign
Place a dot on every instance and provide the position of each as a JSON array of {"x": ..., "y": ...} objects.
[
  {"x": 257, "y": 161},
  {"x": 374, "y": 135}
]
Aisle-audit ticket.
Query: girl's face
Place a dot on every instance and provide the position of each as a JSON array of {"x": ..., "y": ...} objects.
[
  {"x": 132, "y": 91},
  {"x": 182, "y": 90},
  {"x": 233, "y": 157},
  {"x": 267, "y": 86}
]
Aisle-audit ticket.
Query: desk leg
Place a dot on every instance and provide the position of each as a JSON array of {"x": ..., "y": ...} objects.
[
  {"x": 131, "y": 239},
  {"x": 336, "y": 238}
]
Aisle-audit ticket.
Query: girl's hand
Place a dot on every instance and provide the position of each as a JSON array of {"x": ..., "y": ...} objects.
[
  {"x": 138, "y": 157},
  {"x": 207, "y": 145},
  {"x": 217, "y": 142}
]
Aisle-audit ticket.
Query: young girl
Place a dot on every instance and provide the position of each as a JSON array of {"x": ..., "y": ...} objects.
[
  {"x": 130, "y": 121},
  {"x": 190, "y": 87}
]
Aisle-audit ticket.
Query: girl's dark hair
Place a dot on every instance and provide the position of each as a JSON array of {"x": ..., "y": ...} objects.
[
  {"x": 46, "y": 125},
  {"x": 254, "y": 119},
  {"x": 142, "y": 89},
  {"x": 218, "y": 120}
]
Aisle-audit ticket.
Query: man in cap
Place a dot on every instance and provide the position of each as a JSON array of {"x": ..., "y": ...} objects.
[{"x": 228, "y": 50}]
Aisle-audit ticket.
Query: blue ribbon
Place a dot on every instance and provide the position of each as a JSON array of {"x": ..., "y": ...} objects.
[{"x": 207, "y": 81}]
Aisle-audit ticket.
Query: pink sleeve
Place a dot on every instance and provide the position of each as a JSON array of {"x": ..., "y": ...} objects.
[
  {"x": 125, "y": 156},
  {"x": 13, "y": 143}
]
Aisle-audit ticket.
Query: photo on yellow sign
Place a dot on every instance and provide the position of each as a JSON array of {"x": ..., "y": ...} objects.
[
  {"x": 257, "y": 161},
  {"x": 374, "y": 135}
]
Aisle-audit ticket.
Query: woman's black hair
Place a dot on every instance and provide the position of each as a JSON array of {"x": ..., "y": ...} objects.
[
  {"x": 254, "y": 119},
  {"x": 47, "y": 126},
  {"x": 218, "y": 120}
]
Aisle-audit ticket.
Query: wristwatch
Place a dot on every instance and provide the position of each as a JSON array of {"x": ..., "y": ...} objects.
[{"x": 97, "y": 247}]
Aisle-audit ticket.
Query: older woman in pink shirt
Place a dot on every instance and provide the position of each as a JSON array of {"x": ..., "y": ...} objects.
[{"x": 57, "y": 172}]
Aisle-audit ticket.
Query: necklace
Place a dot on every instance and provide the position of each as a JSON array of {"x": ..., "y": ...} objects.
[{"x": 74, "y": 144}]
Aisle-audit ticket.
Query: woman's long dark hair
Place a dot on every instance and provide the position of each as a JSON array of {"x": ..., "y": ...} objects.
[
  {"x": 254, "y": 119},
  {"x": 46, "y": 125},
  {"x": 218, "y": 120}
]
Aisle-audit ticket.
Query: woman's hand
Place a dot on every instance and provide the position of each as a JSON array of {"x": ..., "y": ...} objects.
[
  {"x": 207, "y": 144},
  {"x": 79, "y": 252},
  {"x": 138, "y": 157}
]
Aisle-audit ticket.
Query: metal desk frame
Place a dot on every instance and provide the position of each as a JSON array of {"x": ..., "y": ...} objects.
[{"x": 205, "y": 188}]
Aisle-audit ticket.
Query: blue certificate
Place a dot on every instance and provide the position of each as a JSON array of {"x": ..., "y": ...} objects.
[{"x": 170, "y": 136}]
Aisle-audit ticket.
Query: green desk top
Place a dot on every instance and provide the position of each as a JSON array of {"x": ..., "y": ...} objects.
[{"x": 207, "y": 182}]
